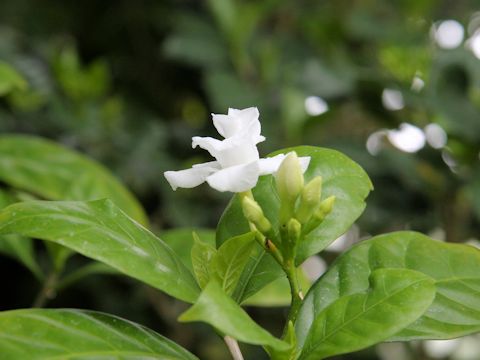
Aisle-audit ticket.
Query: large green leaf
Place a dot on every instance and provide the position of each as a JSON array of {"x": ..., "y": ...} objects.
[
  {"x": 100, "y": 230},
  {"x": 18, "y": 247},
  {"x": 341, "y": 177},
  {"x": 454, "y": 267},
  {"x": 216, "y": 308},
  {"x": 77, "y": 334},
  {"x": 57, "y": 173},
  {"x": 229, "y": 261},
  {"x": 275, "y": 294},
  {"x": 181, "y": 241},
  {"x": 395, "y": 298},
  {"x": 202, "y": 255}
]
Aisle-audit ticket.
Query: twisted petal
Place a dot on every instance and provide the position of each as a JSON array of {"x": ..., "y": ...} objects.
[
  {"x": 190, "y": 178},
  {"x": 229, "y": 152},
  {"x": 235, "y": 178},
  {"x": 270, "y": 165},
  {"x": 242, "y": 123},
  {"x": 304, "y": 162}
]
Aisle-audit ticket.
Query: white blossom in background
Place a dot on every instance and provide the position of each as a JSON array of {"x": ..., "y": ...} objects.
[
  {"x": 314, "y": 267},
  {"x": 439, "y": 349},
  {"x": 448, "y": 34},
  {"x": 436, "y": 136},
  {"x": 237, "y": 164},
  {"x": 315, "y": 105},
  {"x": 407, "y": 138},
  {"x": 392, "y": 99}
]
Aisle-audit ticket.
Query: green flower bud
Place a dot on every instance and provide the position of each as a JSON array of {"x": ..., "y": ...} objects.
[
  {"x": 289, "y": 181},
  {"x": 254, "y": 213},
  {"x": 324, "y": 209},
  {"x": 309, "y": 200},
  {"x": 294, "y": 229}
]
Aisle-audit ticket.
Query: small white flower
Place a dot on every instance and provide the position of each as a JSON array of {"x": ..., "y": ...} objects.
[{"x": 238, "y": 164}]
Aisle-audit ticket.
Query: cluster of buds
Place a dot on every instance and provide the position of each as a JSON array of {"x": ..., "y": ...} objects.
[{"x": 301, "y": 208}]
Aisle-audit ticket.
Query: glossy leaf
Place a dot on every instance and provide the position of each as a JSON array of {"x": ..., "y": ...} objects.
[
  {"x": 202, "y": 255},
  {"x": 181, "y": 242},
  {"x": 341, "y": 177},
  {"x": 57, "y": 173},
  {"x": 18, "y": 247},
  {"x": 277, "y": 293},
  {"x": 100, "y": 230},
  {"x": 454, "y": 267},
  {"x": 77, "y": 334},
  {"x": 230, "y": 259},
  {"x": 216, "y": 308},
  {"x": 395, "y": 298},
  {"x": 10, "y": 79}
]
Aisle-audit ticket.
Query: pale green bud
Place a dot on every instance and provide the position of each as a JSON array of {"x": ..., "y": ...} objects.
[
  {"x": 310, "y": 199},
  {"x": 289, "y": 181},
  {"x": 254, "y": 213},
  {"x": 294, "y": 229},
  {"x": 289, "y": 178},
  {"x": 324, "y": 209}
]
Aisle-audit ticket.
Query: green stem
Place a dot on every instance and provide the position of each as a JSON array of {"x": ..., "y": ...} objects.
[
  {"x": 296, "y": 292},
  {"x": 233, "y": 347},
  {"x": 48, "y": 290}
]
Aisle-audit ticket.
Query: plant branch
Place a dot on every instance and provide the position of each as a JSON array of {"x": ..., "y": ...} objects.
[
  {"x": 296, "y": 292},
  {"x": 233, "y": 347},
  {"x": 48, "y": 290}
]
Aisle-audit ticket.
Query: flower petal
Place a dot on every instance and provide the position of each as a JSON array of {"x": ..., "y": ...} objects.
[
  {"x": 192, "y": 177},
  {"x": 229, "y": 152},
  {"x": 270, "y": 165},
  {"x": 213, "y": 146},
  {"x": 304, "y": 162},
  {"x": 226, "y": 125},
  {"x": 239, "y": 122},
  {"x": 235, "y": 178}
]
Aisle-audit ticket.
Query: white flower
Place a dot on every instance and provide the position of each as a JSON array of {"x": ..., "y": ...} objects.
[{"x": 238, "y": 164}]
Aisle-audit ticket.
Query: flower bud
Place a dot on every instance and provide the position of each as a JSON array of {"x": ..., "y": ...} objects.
[
  {"x": 289, "y": 181},
  {"x": 289, "y": 177},
  {"x": 309, "y": 200},
  {"x": 324, "y": 209},
  {"x": 294, "y": 229},
  {"x": 254, "y": 213}
]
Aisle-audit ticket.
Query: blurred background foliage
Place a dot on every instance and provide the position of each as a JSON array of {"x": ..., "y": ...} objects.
[{"x": 395, "y": 85}]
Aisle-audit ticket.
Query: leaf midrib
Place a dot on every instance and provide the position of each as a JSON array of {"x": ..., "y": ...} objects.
[{"x": 323, "y": 339}]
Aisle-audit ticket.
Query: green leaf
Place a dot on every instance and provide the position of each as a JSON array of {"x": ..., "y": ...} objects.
[
  {"x": 77, "y": 334},
  {"x": 259, "y": 271},
  {"x": 18, "y": 247},
  {"x": 57, "y": 173},
  {"x": 455, "y": 268},
  {"x": 230, "y": 259},
  {"x": 341, "y": 177},
  {"x": 100, "y": 230},
  {"x": 396, "y": 298},
  {"x": 277, "y": 293},
  {"x": 181, "y": 242},
  {"x": 10, "y": 79},
  {"x": 222, "y": 312},
  {"x": 202, "y": 255}
]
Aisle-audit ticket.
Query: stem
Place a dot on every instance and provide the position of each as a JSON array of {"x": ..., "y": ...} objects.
[
  {"x": 48, "y": 291},
  {"x": 233, "y": 347},
  {"x": 297, "y": 295}
]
